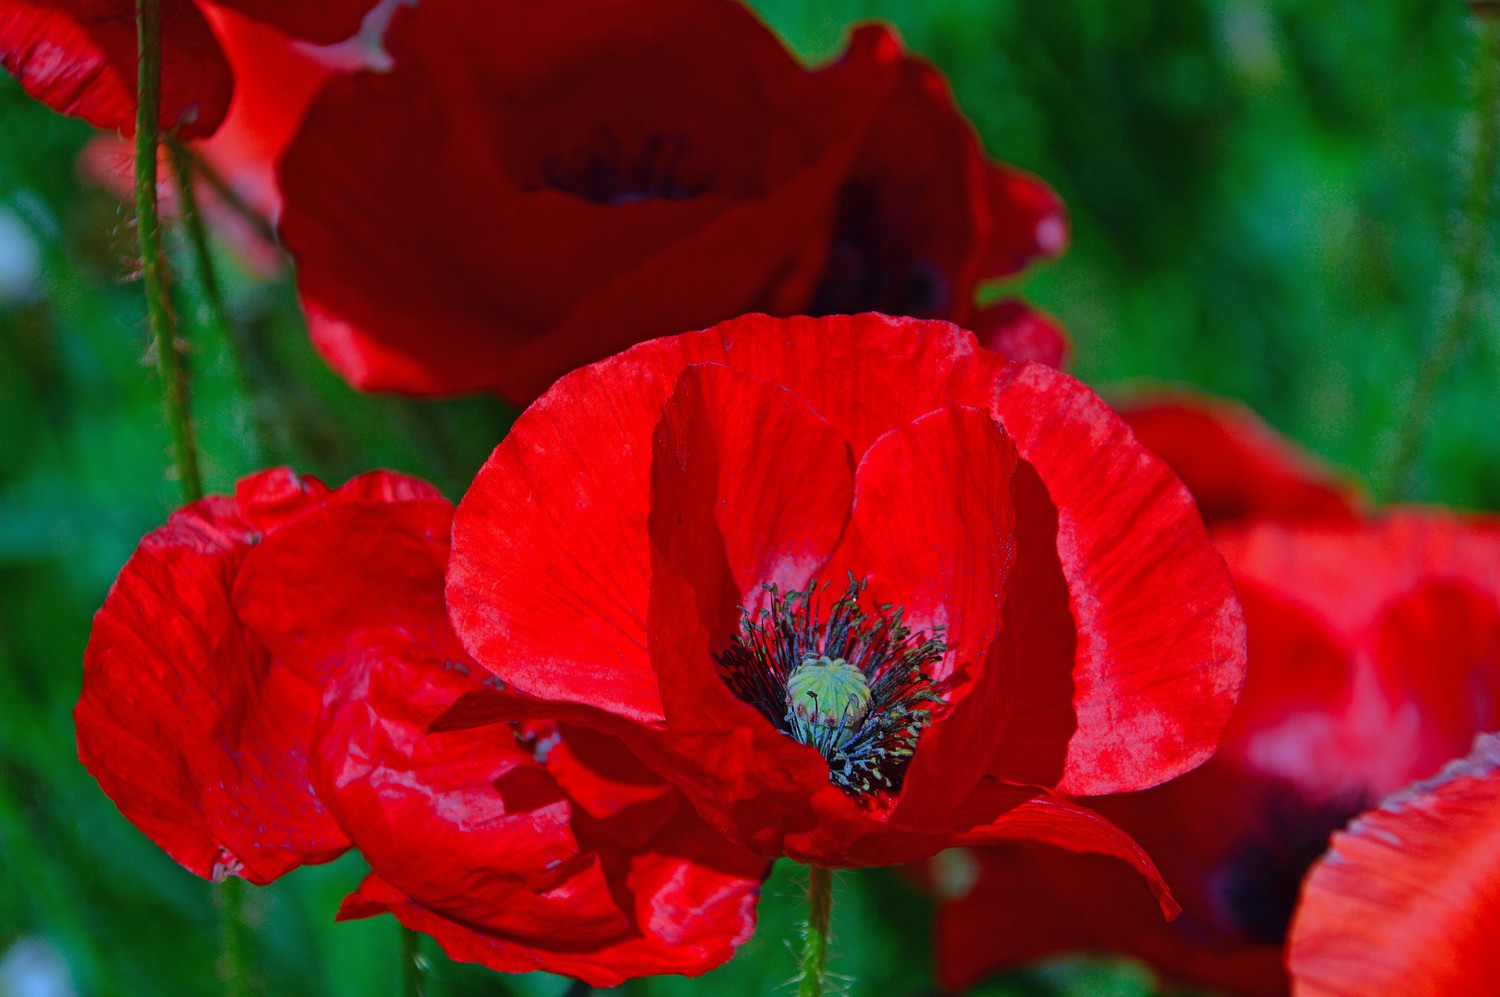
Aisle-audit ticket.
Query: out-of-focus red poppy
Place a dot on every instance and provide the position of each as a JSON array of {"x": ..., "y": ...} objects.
[
  {"x": 1015, "y": 329},
  {"x": 1407, "y": 901},
  {"x": 539, "y": 184},
  {"x": 256, "y": 696},
  {"x": 79, "y": 56},
  {"x": 1374, "y": 658},
  {"x": 1236, "y": 466},
  {"x": 275, "y": 79},
  {"x": 859, "y": 587}
]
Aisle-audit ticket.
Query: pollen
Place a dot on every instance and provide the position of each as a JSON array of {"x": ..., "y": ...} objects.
[{"x": 856, "y": 684}]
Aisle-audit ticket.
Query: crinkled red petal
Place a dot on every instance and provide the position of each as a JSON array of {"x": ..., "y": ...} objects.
[
  {"x": 1407, "y": 901},
  {"x": 1161, "y": 644},
  {"x": 189, "y": 717},
  {"x": 1017, "y": 331},
  {"x": 79, "y": 57},
  {"x": 1235, "y": 465},
  {"x": 514, "y": 871},
  {"x": 943, "y": 478},
  {"x": 569, "y": 488}
]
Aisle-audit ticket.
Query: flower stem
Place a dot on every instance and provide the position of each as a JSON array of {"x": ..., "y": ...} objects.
[
  {"x": 413, "y": 975},
  {"x": 234, "y": 938},
  {"x": 169, "y": 363},
  {"x": 213, "y": 299},
  {"x": 815, "y": 934},
  {"x": 234, "y": 941},
  {"x": 1469, "y": 255}
]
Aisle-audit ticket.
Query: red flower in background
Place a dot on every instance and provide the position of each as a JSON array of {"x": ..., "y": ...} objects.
[
  {"x": 1374, "y": 659},
  {"x": 1407, "y": 901},
  {"x": 1016, "y": 330},
  {"x": 275, "y": 79},
  {"x": 79, "y": 56},
  {"x": 1236, "y": 466},
  {"x": 256, "y": 695},
  {"x": 539, "y": 184},
  {"x": 985, "y": 591}
]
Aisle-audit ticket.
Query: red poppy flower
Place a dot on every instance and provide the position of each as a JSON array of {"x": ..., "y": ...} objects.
[
  {"x": 1407, "y": 901},
  {"x": 1236, "y": 466},
  {"x": 79, "y": 56},
  {"x": 1375, "y": 658},
  {"x": 187, "y": 719},
  {"x": 256, "y": 696},
  {"x": 1015, "y": 329},
  {"x": 537, "y": 185},
  {"x": 860, "y": 588},
  {"x": 275, "y": 79}
]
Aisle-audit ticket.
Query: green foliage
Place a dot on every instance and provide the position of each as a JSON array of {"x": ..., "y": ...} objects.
[{"x": 1263, "y": 196}]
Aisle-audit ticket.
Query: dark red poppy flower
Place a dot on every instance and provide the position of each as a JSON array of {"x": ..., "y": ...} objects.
[
  {"x": 860, "y": 588},
  {"x": 79, "y": 56},
  {"x": 539, "y": 184},
  {"x": 256, "y": 696},
  {"x": 1236, "y": 466},
  {"x": 1407, "y": 901},
  {"x": 1374, "y": 659}
]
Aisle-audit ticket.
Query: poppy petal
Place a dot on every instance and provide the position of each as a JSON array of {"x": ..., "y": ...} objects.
[
  {"x": 322, "y": 23},
  {"x": 79, "y": 57},
  {"x": 749, "y": 486},
  {"x": 1405, "y": 901},
  {"x": 1158, "y": 624},
  {"x": 1017, "y": 331},
  {"x": 945, "y": 478},
  {"x": 1234, "y": 464},
  {"x": 1052, "y": 820},
  {"x": 343, "y": 567},
  {"x": 184, "y": 719},
  {"x": 196, "y": 726},
  {"x": 506, "y": 876}
]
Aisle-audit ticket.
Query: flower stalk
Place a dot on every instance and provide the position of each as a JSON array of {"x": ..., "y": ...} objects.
[
  {"x": 183, "y": 167},
  {"x": 1469, "y": 255},
  {"x": 169, "y": 363},
  {"x": 413, "y": 975},
  {"x": 815, "y": 932},
  {"x": 234, "y": 941}
]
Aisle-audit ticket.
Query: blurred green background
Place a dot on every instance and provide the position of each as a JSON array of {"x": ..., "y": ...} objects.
[{"x": 1264, "y": 195}]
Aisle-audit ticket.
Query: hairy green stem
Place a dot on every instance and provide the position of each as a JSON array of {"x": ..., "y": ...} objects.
[
  {"x": 413, "y": 973},
  {"x": 231, "y": 197},
  {"x": 169, "y": 363},
  {"x": 229, "y": 896},
  {"x": 183, "y": 166},
  {"x": 1469, "y": 255},
  {"x": 234, "y": 938},
  {"x": 815, "y": 933}
]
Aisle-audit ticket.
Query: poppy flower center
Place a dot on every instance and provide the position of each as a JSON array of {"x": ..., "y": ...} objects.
[
  {"x": 874, "y": 263},
  {"x": 1261, "y": 879},
  {"x": 612, "y": 171},
  {"x": 855, "y": 685}
]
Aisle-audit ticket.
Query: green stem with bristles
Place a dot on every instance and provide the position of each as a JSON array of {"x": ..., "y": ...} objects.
[
  {"x": 413, "y": 974},
  {"x": 815, "y": 932},
  {"x": 1471, "y": 242},
  {"x": 169, "y": 362},
  {"x": 234, "y": 938},
  {"x": 234, "y": 942},
  {"x": 213, "y": 300}
]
